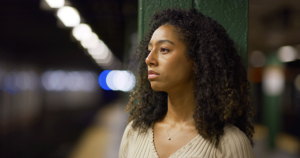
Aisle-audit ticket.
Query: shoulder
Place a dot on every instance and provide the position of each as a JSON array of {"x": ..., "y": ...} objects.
[
  {"x": 131, "y": 138},
  {"x": 123, "y": 151},
  {"x": 128, "y": 130},
  {"x": 235, "y": 143},
  {"x": 231, "y": 131}
]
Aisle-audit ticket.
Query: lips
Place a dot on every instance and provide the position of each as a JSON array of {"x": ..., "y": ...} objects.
[{"x": 152, "y": 74}]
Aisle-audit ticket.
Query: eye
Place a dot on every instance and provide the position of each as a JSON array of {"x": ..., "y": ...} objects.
[{"x": 164, "y": 50}]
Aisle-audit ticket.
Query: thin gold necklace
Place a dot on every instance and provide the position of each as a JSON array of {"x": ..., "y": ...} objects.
[{"x": 169, "y": 137}]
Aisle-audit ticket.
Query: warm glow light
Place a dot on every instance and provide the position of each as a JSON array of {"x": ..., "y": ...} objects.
[
  {"x": 257, "y": 59},
  {"x": 273, "y": 80},
  {"x": 82, "y": 32},
  {"x": 69, "y": 16},
  {"x": 56, "y": 3},
  {"x": 287, "y": 54}
]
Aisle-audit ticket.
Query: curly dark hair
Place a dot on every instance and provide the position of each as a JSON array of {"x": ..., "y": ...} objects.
[{"x": 222, "y": 91}]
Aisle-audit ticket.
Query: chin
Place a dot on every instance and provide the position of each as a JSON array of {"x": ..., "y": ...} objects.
[{"x": 157, "y": 87}]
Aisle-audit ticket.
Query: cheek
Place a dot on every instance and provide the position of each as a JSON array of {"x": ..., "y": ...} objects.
[{"x": 179, "y": 70}]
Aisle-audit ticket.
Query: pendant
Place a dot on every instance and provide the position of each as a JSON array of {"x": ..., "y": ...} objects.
[{"x": 169, "y": 138}]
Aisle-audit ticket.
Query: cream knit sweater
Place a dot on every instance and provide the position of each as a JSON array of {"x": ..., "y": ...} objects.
[{"x": 233, "y": 144}]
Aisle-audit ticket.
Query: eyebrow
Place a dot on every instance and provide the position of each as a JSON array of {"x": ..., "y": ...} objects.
[{"x": 162, "y": 41}]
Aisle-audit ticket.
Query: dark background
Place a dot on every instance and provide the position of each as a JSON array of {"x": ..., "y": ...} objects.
[{"x": 32, "y": 38}]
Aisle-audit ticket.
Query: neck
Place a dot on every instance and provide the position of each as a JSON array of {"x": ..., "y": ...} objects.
[{"x": 181, "y": 105}]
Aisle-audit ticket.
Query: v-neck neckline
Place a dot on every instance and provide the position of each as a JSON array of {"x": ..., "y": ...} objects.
[{"x": 177, "y": 151}]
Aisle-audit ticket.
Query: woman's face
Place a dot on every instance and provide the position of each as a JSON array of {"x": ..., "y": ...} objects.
[{"x": 168, "y": 68}]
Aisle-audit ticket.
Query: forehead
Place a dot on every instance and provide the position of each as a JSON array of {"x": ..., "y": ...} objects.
[{"x": 164, "y": 32}]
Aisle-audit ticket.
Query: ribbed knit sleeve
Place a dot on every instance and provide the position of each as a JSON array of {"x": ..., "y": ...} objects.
[
  {"x": 235, "y": 144},
  {"x": 125, "y": 141}
]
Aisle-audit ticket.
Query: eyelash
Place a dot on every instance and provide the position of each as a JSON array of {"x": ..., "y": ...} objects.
[
  {"x": 161, "y": 49},
  {"x": 164, "y": 50}
]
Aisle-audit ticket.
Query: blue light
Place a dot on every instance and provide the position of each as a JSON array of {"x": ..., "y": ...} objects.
[
  {"x": 10, "y": 84},
  {"x": 102, "y": 80}
]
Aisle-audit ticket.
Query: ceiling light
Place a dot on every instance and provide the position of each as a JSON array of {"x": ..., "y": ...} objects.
[
  {"x": 100, "y": 52},
  {"x": 69, "y": 16},
  {"x": 107, "y": 62},
  {"x": 91, "y": 42},
  {"x": 56, "y": 3},
  {"x": 82, "y": 32}
]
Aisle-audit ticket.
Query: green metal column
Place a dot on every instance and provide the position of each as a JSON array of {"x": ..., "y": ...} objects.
[
  {"x": 272, "y": 115},
  {"x": 231, "y": 14}
]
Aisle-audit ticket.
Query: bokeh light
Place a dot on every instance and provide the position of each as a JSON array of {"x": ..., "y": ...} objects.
[
  {"x": 117, "y": 80},
  {"x": 69, "y": 16},
  {"x": 102, "y": 80},
  {"x": 129, "y": 81},
  {"x": 287, "y": 53},
  {"x": 82, "y": 32},
  {"x": 68, "y": 81},
  {"x": 106, "y": 61},
  {"x": 100, "y": 52},
  {"x": 56, "y": 3},
  {"x": 27, "y": 80},
  {"x": 91, "y": 42},
  {"x": 273, "y": 80},
  {"x": 11, "y": 83},
  {"x": 257, "y": 59},
  {"x": 109, "y": 80}
]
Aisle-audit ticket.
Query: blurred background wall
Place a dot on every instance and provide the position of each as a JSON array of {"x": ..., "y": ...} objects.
[{"x": 55, "y": 103}]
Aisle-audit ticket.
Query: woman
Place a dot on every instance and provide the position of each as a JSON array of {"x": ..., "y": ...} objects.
[{"x": 192, "y": 92}]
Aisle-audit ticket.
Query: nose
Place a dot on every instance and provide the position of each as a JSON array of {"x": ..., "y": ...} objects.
[{"x": 151, "y": 59}]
